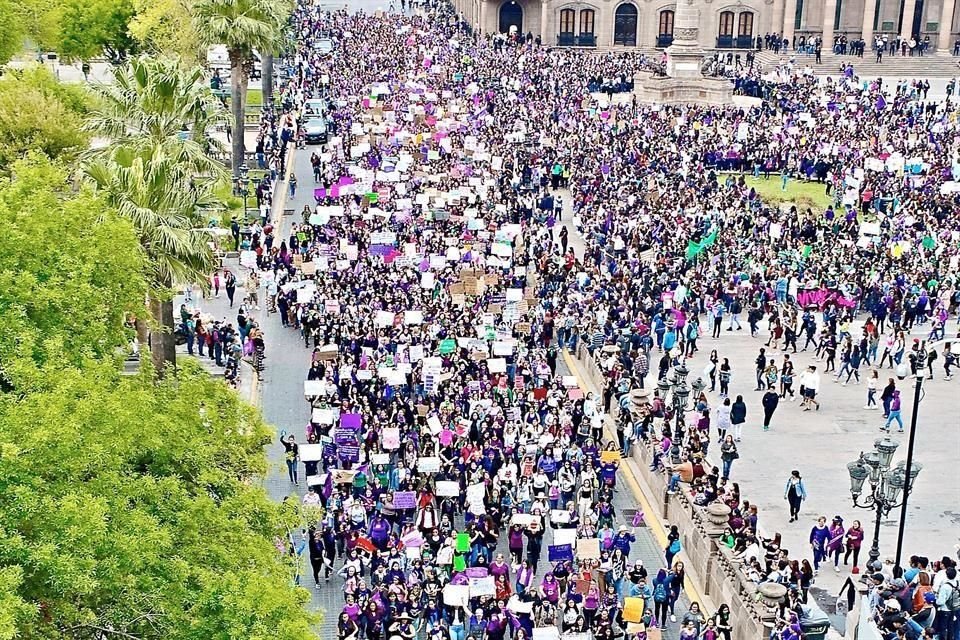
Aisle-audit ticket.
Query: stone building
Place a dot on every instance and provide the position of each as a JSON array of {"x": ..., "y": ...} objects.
[{"x": 724, "y": 24}]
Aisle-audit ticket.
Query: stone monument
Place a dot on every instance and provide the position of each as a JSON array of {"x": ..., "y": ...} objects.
[{"x": 684, "y": 82}]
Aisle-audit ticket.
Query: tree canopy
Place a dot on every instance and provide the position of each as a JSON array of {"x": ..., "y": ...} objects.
[{"x": 38, "y": 113}]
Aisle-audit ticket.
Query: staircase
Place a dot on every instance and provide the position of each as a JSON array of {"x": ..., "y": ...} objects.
[{"x": 929, "y": 66}]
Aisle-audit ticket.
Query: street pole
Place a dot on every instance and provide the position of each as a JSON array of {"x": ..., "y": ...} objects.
[
  {"x": 875, "y": 548},
  {"x": 907, "y": 485}
]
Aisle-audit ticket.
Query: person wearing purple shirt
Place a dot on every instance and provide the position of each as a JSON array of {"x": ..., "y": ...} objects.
[
  {"x": 379, "y": 531},
  {"x": 819, "y": 535},
  {"x": 835, "y": 541}
]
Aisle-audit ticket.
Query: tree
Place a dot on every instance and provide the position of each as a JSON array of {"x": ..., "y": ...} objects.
[
  {"x": 129, "y": 511},
  {"x": 12, "y": 33},
  {"x": 93, "y": 28},
  {"x": 165, "y": 27},
  {"x": 70, "y": 272},
  {"x": 242, "y": 26},
  {"x": 157, "y": 171},
  {"x": 38, "y": 113}
]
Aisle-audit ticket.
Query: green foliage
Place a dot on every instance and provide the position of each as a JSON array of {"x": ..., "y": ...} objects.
[
  {"x": 38, "y": 113},
  {"x": 70, "y": 271},
  {"x": 157, "y": 169},
  {"x": 242, "y": 25},
  {"x": 165, "y": 27},
  {"x": 94, "y": 28},
  {"x": 11, "y": 35},
  {"x": 129, "y": 505}
]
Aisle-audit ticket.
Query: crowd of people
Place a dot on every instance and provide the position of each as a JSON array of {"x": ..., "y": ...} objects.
[{"x": 436, "y": 285}]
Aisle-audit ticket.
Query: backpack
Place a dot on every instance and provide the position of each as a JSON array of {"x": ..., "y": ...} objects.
[
  {"x": 660, "y": 593},
  {"x": 953, "y": 600}
]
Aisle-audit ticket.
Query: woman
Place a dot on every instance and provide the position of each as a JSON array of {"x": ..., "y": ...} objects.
[
  {"x": 835, "y": 541},
  {"x": 723, "y": 418},
  {"x": 738, "y": 415},
  {"x": 722, "y": 618},
  {"x": 894, "y": 413},
  {"x": 819, "y": 536},
  {"x": 347, "y": 629},
  {"x": 673, "y": 544},
  {"x": 872, "y": 381},
  {"x": 853, "y": 542},
  {"x": 795, "y": 493},
  {"x": 725, "y": 374},
  {"x": 675, "y": 577},
  {"x": 695, "y": 617},
  {"x": 806, "y": 578},
  {"x": 661, "y": 598},
  {"x": 712, "y": 370},
  {"x": 886, "y": 397},
  {"x": 728, "y": 453}
]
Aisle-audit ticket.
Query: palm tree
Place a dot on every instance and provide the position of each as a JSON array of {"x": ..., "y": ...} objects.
[
  {"x": 156, "y": 169},
  {"x": 242, "y": 26}
]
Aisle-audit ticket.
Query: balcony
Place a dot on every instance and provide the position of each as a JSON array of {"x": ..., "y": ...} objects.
[{"x": 664, "y": 40}]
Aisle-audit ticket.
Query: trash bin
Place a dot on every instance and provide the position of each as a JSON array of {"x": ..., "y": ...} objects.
[{"x": 814, "y": 622}]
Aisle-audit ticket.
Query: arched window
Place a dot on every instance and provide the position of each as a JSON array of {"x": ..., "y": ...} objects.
[
  {"x": 745, "y": 27},
  {"x": 725, "y": 32},
  {"x": 568, "y": 23},
  {"x": 586, "y": 37},
  {"x": 726, "y": 24},
  {"x": 625, "y": 25},
  {"x": 665, "y": 31}
]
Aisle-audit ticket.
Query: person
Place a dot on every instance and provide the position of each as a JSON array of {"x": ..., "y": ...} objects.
[
  {"x": 724, "y": 411},
  {"x": 761, "y": 362},
  {"x": 770, "y": 401},
  {"x": 853, "y": 541},
  {"x": 810, "y": 383},
  {"x": 292, "y": 456},
  {"x": 738, "y": 415},
  {"x": 886, "y": 397},
  {"x": 724, "y": 376},
  {"x": 728, "y": 453},
  {"x": 894, "y": 413},
  {"x": 795, "y": 493},
  {"x": 872, "y": 381},
  {"x": 819, "y": 536},
  {"x": 834, "y": 546},
  {"x": 230, "y": 285}
]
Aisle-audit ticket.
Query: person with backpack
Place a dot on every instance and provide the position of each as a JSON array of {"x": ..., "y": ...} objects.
[
  {"x": 948, "y": 606},
  {"x": 661, "y": 599}
]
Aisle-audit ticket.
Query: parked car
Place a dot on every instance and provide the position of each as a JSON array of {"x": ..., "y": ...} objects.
[{"x": 315, "y": 131}]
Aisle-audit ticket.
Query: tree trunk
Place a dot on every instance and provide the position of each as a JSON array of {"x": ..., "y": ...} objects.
[
  {"x": 143, "y": 339},
  {"x": 238, "y": 96},
  {"x": 163, "y": 346},
  {"x": 266, "y": 80}
]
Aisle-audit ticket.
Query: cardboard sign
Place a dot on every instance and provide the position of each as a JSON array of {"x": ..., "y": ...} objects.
[
  {"x": 633, "y": 609},
  {"x": 587, "y": 548},
  {"x": 448, "y": 488},
  {"x": 482, "y": 587},
  {"x": 406, "y": 500},
  {"x": 430, "y": 464},
  {"x": 609, "y": 456},
  {"x": 456, "y": 595}
]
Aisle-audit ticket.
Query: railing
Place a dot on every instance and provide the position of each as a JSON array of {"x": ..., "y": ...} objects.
[
  {"x": 664, "y": 40},
  {"x": 566, "y": 39}
]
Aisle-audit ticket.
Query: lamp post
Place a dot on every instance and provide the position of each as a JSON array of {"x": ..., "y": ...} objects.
[
  {"x": 910, "y": 469},
  {"x": 885, "y": 484}
]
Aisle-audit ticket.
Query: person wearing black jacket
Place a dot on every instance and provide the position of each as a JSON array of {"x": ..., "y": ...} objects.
[{"x": 770, "y": 402}]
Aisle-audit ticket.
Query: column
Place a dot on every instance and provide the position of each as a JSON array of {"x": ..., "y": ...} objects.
[
  {"x": 829, "y": 14},
  {"x": 944, "y": 41},
  {"x": 906, "y": 27},
  {"x": 789, "y": 20},
  {"x": 778, "y": 17},
  {"x": 544, "y": 32},
  {"x": 866, "y": 31},
  {"x": 483, "y": 17}
]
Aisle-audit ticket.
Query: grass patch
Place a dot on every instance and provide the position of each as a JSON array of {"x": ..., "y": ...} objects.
[
  {"x": 254, "y": 97},
  {"x": 802, "y": 194},
  {"x": 233, "y": 205}
]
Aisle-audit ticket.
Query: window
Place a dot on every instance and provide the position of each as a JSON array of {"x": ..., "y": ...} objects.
[
  {"x": 567, "y": 18},
  {"x": 726, "y": 24},
  {"x": 586, "y": 21},
  {"x": 746, "y": 24},
  {"x": 666, "y": 23}
]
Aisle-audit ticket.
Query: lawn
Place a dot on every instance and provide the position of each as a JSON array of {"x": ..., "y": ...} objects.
[
  {"x": 254, "y": 97},
  {"x": 802, "y": 194}
]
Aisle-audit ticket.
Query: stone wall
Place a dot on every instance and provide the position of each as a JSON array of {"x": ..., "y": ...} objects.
[{"x": 711, "y": 566}]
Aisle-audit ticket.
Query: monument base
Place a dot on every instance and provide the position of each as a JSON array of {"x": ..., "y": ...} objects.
[{"x": 667, "y": 90}]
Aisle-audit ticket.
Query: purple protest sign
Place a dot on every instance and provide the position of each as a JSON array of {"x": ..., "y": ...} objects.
[
  {"x": 477, "y": 572},
  {"x": 344, "y": 436},
  {"x": 405, "y": 499},
  {"x": 560, "y": 552},
  {"x": 349, "y": 453},
  {"x": 351, "y": 421}
]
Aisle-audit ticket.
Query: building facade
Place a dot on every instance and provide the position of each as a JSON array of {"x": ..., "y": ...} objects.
[{"x": 724, "y": 24}]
